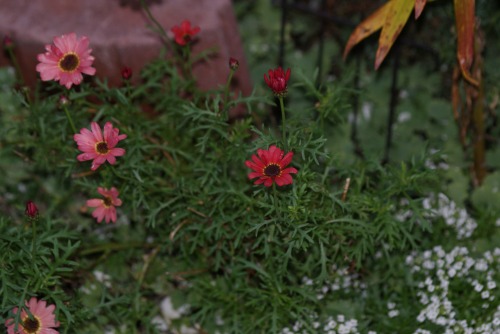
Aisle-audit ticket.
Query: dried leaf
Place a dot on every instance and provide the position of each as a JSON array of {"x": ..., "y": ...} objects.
[
  {"x": 397, "y": 14},
  {"x": 465, "y": 21},
  {"x": 371, "y": 24},
  {"x": 419, "y": 7}
]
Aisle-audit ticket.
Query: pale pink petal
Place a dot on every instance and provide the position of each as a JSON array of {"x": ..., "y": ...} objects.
[
  {"x": 96, "y": 130},
  {"x": 118, "y": 152},
  {"x": 111, "y": 159},
  {"x": 99, "y": 213},
  {"x": 94, "y": 202}
]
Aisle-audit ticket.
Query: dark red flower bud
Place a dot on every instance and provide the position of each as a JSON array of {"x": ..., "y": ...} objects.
[
  {"x": 7, "y": 42},
  {"x": 277, "y": 81},
  {"x": 233, "y": 63},
  {"x": 31, "y": 210},
  {"x": 126, "y": 72}
]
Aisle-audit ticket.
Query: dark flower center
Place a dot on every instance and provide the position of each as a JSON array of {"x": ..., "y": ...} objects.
[
  {"x": 69, "y": 62},
  {"x": 102, "y": 147},
  {"x": 272, "y": 170},
  {"x": 108, "y": 201},
  {"x": 31, "y": 325}
]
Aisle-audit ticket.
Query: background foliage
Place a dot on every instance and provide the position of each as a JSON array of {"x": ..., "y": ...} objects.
[{"x": 194, "y": 234}]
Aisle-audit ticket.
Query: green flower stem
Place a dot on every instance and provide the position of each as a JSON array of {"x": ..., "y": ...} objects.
[
  {"x": 276, "y": 203},
  {"x": 283, "y": 131},
  {"x": 159, "y": 27},
  {"x": 68, "y": 115},
  {"x": 226, "y": 90},
  {"x": 13, "y": 58},
  {"x": 186, "y": 57},
  {"x": 33, "y": 241}
]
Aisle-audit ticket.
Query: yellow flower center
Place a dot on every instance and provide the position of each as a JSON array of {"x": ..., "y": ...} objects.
[
  {"x": 31, "y": 326},
  {"x": 69, "y": 62},
  {"x": 272, "y": 170},
  {"x": 102, "y": 147}
]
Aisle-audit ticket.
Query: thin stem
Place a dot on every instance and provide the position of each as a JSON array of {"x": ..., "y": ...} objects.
[
  {"x": 226, "y": 90},
  {"x": 13, "y": 58},
  {"x": 283, "y": 121},
  {"x": 68, "y": 115},
  {"x": 33, "y": 233},
  {"x": 159, "y": 27},
  {"x": 276, "y": 203}
]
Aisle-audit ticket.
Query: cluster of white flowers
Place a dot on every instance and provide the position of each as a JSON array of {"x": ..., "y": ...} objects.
[
  {"x": 438, "y": 268},
  {"x": 331, "y": 325},
  {"x": 393, "y": 312},
  {"x": 454, "y": 216},
  {"x": 341, "y": 280},
  {"x": 443, "y": 207}
]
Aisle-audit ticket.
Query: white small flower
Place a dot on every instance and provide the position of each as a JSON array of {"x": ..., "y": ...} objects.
[{"x": 393, "y": 313}]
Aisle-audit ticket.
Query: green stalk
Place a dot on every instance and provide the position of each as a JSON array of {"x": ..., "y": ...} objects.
[
  {"x": 226, "y": 90},
  {"x": 283, "y": 131},
  {"x": 68, "y": 115},
  {"x": 13, "y": 58},
  {"x": 159, "y": 27}
]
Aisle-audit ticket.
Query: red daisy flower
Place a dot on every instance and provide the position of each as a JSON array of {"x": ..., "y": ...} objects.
[
  {"x": 183, "y": 34},
  {"x": 270, "y": 166},
  {"x": 105, "y": 207},
  {"x": 277, "y": 81},
  {"x": 66, "y": 60},
  {"x": 97, "y": 147},
  {"x": 42, "y": 322}
]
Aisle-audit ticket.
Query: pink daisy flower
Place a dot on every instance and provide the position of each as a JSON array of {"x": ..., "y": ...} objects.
[
  {"x": 43, "y": 321},
  {"x": 270, "y": 165},
  {"x": 97, "y": 147},
  {"x": 66, "y": 60},
  {"x": 105, "y": 208}
]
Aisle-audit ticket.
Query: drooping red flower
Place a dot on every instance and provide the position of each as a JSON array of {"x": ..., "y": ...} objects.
[
  {"x": 270, "y": 165},
  {"x": 126, "y": 72},
  {"x": 7, "y": 42},
  {"x": 183, "y": 34},
  {"x": 105, "y": 208},
  {"x": 233, "y": 63},
  {"x": 277, "y": 81},
  {"x": 66, "y": 60},
  {"x": 42, "y": 322},
  {"x": 97, "y": 147},
  {"x": 31, "y": 210}
]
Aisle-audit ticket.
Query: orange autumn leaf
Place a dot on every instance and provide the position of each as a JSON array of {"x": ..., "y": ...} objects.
[
  {"x": 396, "y": 17},
  {"x": 419, "y": 7},
  {"x": 391, "y": 18},
  {"x": 465, "y": 21},
  {"x": 371, "y": 24}
]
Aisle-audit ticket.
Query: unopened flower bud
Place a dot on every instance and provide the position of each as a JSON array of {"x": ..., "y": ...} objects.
[
  {"x": 31, "y": 210},
  {"x": 63, "y": 101},
  {"x": 7, "y": 42},
  {"x": 233, "y": 63},
  {"x": 126, "y": 72}
]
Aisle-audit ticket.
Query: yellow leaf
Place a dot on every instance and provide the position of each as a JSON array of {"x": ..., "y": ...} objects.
[
  {"x": 397, "y": 14},
  {"x": 371, "y": 24}
]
